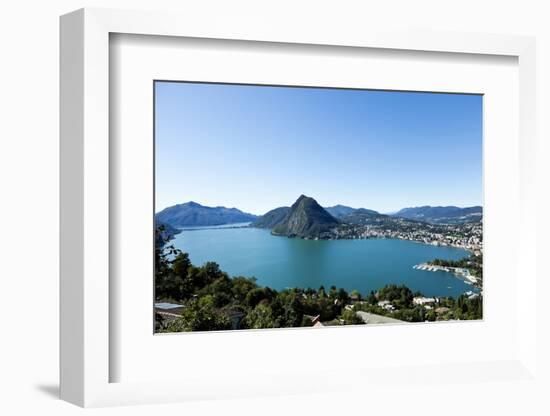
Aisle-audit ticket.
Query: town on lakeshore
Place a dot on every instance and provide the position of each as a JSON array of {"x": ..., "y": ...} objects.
[
  {"x": 203, "y": 298},
  {"x": 467, "y": 235}
]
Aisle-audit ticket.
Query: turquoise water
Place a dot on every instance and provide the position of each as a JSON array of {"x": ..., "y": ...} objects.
[{"x": 281, "y": 262}]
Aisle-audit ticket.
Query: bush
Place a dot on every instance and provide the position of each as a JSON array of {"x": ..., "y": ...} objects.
[
  {"x": 350, "y": 317},
  {"x": 200, "y": 315}
]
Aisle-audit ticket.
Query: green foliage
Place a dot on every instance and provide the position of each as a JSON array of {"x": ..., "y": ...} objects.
[
  {"x": 430, "y": 315},
  {"x": 306, "y": 321},
  {"x": 170, "y": 277},
  {"x": 355, "y": 295},
  {"x": 159, "y": 322},
  {"x": 258, "y": 294},
  {"x": 415, "y": 314},
  {"x": 260, "y": 317},
  {"x": 220, "y": 290},
  {"x": 200, "y": 315},
  {"x": 241, "y": 286},
  {"x": 350, "y": 317},
  {"x": 466, "y": 308},
  {"x": 371, "y": 298},
  {"x": 399, "y": 296}
]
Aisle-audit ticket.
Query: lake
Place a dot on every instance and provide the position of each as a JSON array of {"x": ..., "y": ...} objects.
[{"x": 281, "y": 262}]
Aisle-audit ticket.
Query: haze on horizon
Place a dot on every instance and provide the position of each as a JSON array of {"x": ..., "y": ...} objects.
[{"x": 257, "y": 148}]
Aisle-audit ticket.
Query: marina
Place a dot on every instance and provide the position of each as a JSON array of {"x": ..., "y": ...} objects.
[{"x": 458, "y": 271}]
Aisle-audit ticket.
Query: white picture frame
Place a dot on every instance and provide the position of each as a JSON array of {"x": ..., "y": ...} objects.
[{"x": 86, "y": 350}]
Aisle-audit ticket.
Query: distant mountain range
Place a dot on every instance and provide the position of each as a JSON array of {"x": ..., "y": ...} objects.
[
  {"x": 442, "y": 215},
  {"x": 305, "y": 218},
  {"x": 339, "y": 211},
  {"x": 362, "y": 216},
  {"x": 194, "y": 214}
]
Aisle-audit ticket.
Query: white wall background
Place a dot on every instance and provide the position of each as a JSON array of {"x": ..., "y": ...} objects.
[{"x": 29, "y": 204}]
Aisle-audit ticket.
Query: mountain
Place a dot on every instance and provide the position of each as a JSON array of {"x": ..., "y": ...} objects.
[
  {"x": 271, "y": 218},
  {"x": 339, "y": 211},
  {"x": 193, "y": 214},
  {"x": 345, "y": 214},
  {"x": 362, "y": 216},
  {"x": 442, "y": 215},
  {"x": 306, "y": 218}
]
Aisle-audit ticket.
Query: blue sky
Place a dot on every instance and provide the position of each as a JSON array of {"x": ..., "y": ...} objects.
[{"x": 257, "y": 148}]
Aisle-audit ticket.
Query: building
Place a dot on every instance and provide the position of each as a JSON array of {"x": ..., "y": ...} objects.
[
  {"x": 420, "y": 300},
  {"x": 386, "y": 305}
]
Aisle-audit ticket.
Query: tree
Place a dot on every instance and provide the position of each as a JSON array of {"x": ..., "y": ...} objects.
[
  {"x": 350, "y": 317},
  {"x": 258, "y": 294},
  {"x": 168, "y": 283},
  {"x": 288, "y": 308},
  {"x": 321, "y": 292},
  {"x": 355, "y": 295},
  {"x": 212, "y": 270},
  {"x": 431, "y": 315},
  {"x": 306, "y": 321},
  {"x": 159, "y": 322},
  {"x": 371, "y": 298},
  {"x": 200, "y": 315},
  {"x": 400, "y": 296},
  {"x": 343, "y": 296},
  {"x": 327, "y": 309},
  {"x": 220, "y": 290},
  {"x": 260, "y": 317},
  {"x": 241, "y": 286}
]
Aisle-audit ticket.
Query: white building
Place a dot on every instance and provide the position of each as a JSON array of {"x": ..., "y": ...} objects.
[
  {"x": 386, "y": 305},
  {"x": 423, "y": 301}
]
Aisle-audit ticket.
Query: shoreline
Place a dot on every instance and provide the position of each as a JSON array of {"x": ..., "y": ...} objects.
[
  {"x": 471, "y": 250},
  {"x": 457, "y": 271},
  {"x": 468, "y": 249}
]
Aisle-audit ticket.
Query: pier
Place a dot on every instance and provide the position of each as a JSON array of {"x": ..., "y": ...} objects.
[{"x": 458, "y": 271}]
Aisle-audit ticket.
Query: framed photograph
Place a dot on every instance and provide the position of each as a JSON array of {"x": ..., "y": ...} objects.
[
  {"x": 286, "y": 259},
  {"x": 239, "y": 207}
]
